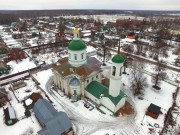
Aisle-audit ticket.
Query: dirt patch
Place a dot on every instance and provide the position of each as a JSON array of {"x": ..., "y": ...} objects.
[
  {"x": 105, "y": 82},
  {"x": 127, "y": 109}
]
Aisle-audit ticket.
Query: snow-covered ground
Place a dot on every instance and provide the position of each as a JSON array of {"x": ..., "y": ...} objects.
[
  {"x": 9, "y": 40},
  {"x": 150, "y": 96},
  {"x": 24, "y": 123},
  {"x": 48, "y": 58},
  {"x": 25, "y": 64}
]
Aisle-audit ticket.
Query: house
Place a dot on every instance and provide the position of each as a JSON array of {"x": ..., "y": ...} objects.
[
  {"x": 18, "y": 85},
  {"x": 153, "y": 111},
  {"x": 17, "y": 35},
  {"x": 4, "y": 68},
  {"x": 131, "y": 35},
  {"x": 16, "y": 54},
  {"x": 52, "y": 122},
  {"x": 29, "y": 103},
  {"x": 3, "y": 96},
  {"x": 10, "y": 116}
]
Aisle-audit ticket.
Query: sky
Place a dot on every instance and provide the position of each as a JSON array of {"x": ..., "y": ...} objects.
[{"x": 90, "y": 4}]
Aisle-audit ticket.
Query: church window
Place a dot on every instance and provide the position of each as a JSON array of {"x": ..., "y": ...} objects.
[
  {"x": 120, "y": 73},
  {"x": 69, "y": 56},
  {"x": 114, "y": 71},
  {"x": 96, "y": 76},
  {"x": 92, "y": 78},
  {"x": 75, "y": 56},
  {"x": 82, "y": 55},
  {"x": 87, "y": 81}
]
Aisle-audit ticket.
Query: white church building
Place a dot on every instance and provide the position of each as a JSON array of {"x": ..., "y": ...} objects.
[{"x": 82, "y": 75}]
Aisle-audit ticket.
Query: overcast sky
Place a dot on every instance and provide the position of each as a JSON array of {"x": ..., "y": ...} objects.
[{"x": 90, "y": 4}]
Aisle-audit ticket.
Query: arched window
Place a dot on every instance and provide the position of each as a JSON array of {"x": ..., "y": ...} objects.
[
  {"x": 75, "y": 56},
  {"x": 114, "y": 71},
  {"x": 82, "y": 55},
  {"x": 120, "y": 73},
  {"x": 69, "y": 56}
]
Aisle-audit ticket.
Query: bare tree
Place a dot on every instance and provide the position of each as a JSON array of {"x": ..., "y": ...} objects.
[
  {"x": 138, "y": 81},
  {"x": 159, "y": 74}
]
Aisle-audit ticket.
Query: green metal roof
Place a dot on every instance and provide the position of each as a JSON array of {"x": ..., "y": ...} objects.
[
  {"x": 96, "y": 89},
  {"x": 116, "y": 100},
  {"x": 76, "y": 45},
  {"x": 118, "y": 59}
]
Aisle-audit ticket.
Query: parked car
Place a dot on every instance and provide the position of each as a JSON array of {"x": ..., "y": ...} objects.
[{"x": 86, "y": 105}]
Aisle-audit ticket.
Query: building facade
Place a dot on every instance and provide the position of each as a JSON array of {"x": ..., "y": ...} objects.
[{"x": 82, "y": 75}]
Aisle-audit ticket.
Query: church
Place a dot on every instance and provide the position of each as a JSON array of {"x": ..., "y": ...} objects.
[{"x": 81, "y": 75}]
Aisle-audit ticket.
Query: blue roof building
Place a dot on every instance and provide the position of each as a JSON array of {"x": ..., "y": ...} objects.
[{"x": 53, "y": 122}]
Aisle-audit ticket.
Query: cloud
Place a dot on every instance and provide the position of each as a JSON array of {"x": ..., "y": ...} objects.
[{"x": 90, "y": 4}]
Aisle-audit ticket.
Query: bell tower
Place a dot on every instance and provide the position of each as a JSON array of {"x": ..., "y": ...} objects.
[{"x": 116, "y": 74}]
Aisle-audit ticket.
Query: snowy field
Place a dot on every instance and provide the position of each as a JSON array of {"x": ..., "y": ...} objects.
[
  {"x": 19, "y": 66},
  {"x": 48, "y": 58}
]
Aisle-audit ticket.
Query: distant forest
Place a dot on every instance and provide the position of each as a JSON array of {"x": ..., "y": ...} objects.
[{"x": 8, "y": 16}]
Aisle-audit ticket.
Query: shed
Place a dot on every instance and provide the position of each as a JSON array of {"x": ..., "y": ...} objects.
[
  {"x": 153, "y": 111},
  {"x": 10, "y": 116},
  {"x": 18, "y": 85}
]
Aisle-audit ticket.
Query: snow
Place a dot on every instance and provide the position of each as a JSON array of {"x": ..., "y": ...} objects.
[
  {"x": 90, "y": 49},
  {"x": 24, "y": 123},
  {"x": 28, "y": 102},
  {"x": 43, "y": 79},
  {"x": 20, "y": 126},
  {"x": 9, "y": 40},
  {"x": 162, "y": 98},
  {"x": 82, "y": 117},
  {"x": 25, "y": 64}
]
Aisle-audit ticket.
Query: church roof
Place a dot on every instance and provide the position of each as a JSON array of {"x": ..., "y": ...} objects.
[
  {"x": 118, "y": 59},
  {"x": 76, "y": 45},
  {"x": 97, "y": 89},
  {"x": 65, "y": 69}
]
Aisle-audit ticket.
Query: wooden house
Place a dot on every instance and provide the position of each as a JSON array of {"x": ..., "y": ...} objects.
[
  {"x": 29, "y": 103},
  {"x": 16, "y": 54},
  {"x": 10, "y": 116}
]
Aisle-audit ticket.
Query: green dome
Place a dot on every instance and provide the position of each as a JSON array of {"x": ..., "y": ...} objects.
[
  {"x": 76, "y": 45},
  {"x": 118, "y": 59}
]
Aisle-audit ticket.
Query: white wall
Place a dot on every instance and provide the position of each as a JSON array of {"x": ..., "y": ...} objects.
[
  {"x": 120, "y": 104},
  {"x": 115, "y": 80},
  {"x": 90, "y": 96},
  {"x": 75, "y": 88},
  {"x": 79, "y": 61},
  {"x": 107, "y": 103}
]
